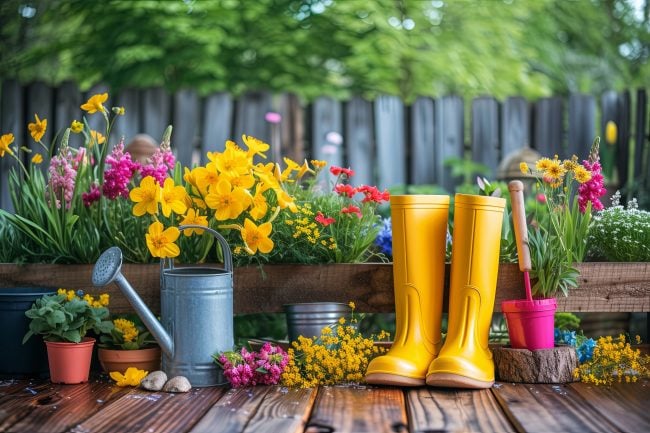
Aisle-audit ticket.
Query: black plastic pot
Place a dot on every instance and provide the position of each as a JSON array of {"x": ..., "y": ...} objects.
[{"x": 20, "y": 360}]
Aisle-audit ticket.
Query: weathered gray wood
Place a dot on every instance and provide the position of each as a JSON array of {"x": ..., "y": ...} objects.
[
  {"x": 641, "y": 138},
  {"x": 11, "y": 121},
  {"x": 129, "y": 125},
  {"x": 391, "y": 141},
  {"x": 40, "y": 100},
  {"x": 217, "y": 123},
  {"x": 156, "y": 112},
  {"x": 251, "y": 109},
  {"x": 292, "y": 131},
  {"x": 515, "y": 125},
  {"x": 548, "y": 127},
  {"x": 553, "y": 365},
  {"x": 67, "y": 107},
  {"x": 186, "y": 127},
  {"x": 449, "y": 138},
  {"x": 422, "y": 160},
  {"x": 623, "y": 140},
  {"x": 485, "y": 132},
  {"x": 582, "y": 124},
  {"x": 360, "y": 143},
  {"x": 96, "y": 120},
  {"x": 327, "y": 123},
  {"x": 283, "y": 410},
  {"x": 233, "y": 411}
]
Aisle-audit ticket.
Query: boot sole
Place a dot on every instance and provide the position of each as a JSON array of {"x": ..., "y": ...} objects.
[
  {"x": 450, "y": 380},
  {"x": 393, "y": 380}
]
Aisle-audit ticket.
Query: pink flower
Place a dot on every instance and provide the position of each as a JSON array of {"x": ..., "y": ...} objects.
[
  {"x": 593, "y": 189},
  {"x": 119, "y": 174},
  {"x": 325, "y": 221},
  {"x": 92, "y": 196},
  {"x": 246, "y": 368},
  {"x": 541, "y": 198},
  {"x": 273, "y": 117},
  {"x": 352, "y": 210},
  {"x": 62, "y": 179},
  {"x": 162, "y": 162},
  {"x": 348, "y": 190}
]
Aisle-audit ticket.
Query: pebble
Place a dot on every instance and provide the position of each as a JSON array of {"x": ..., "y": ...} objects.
[
  {"x": 154, "y": 381},
  {"x": 177, "y": 384}
]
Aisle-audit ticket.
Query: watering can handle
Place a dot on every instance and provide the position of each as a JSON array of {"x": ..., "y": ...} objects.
[
  {"x": 516, "y": 188},
  {"x": 227, "y": 255}
]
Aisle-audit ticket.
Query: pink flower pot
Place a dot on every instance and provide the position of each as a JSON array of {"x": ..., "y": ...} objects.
[
  {"x": 530, "y": 324},
  {"x": 70, "y": 362}
]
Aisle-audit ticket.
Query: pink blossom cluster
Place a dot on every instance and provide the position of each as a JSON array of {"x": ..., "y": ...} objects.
[
  {"x": 593, "y": 189},
  {"x": 62, "y": 179},
  {"x": 246, "y": 368},
  {"x": 162, "y": 161},
  {"x": 92, "y": 196},
  {"x": 119, "y": 174}
]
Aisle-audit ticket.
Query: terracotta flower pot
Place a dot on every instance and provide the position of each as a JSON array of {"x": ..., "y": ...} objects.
[
  {"x": 120, "y": 360},
  {"x": 531, "y": 325},
  {"x": 69, "y": 362}
]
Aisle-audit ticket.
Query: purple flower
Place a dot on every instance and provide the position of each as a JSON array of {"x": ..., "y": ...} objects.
[{"x": 384, "y": 239}]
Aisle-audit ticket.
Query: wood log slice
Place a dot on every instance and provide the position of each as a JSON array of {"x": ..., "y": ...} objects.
[{"x": 554, "y": 365}]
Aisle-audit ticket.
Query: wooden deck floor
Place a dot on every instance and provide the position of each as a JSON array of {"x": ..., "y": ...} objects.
[{"x": 99, "y": 406}]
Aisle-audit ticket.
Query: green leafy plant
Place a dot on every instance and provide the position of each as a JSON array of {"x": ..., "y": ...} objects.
[
  {"x": 68, "y": 317},
  {"x": 126, "y": 335}
]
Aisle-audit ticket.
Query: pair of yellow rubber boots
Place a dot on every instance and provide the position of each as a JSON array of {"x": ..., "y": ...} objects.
[{"x": 419, "y": 243}]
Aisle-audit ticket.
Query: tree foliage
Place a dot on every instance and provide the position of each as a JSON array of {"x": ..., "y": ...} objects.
[{"x": 334, "y": 47}]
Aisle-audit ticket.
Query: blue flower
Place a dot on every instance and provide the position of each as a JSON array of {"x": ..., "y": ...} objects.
[
  {"x": 563, "y": 336},
  {"x": 384, "y": 239},
  {"x": 586, "y": 350}
]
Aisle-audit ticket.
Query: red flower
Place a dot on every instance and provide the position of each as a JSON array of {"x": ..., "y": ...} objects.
[
  {"x": 325, "y": 221},
  {"x": 348, "y": 190},
  {"x": 352, "y": 209},
  {"x": 336, "y": 171},
  {"x": 373, "y": 194}
]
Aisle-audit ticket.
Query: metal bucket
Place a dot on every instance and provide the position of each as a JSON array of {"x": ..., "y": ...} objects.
[
  {"x": 197, "y": 312},
  {"x": 309, "y": 319}
]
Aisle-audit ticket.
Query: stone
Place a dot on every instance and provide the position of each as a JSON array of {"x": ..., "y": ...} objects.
[
  {"x": 554, "y": 365},
  {"x": 154, "y": 381},
  {"x": 177, "y": 384}
]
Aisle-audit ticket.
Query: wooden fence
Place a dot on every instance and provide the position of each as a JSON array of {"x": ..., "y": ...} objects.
[{"x": 385, "y": 141}]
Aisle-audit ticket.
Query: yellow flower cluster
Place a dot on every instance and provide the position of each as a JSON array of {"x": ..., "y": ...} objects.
[
  {"x": 101, "y": 301},
  {"x": 614, "y": 360},
  {"x": 305, "y": 227},
  {"x": 340, "y": 355},
  {"x": 127, "y": 328},
  {"x": 553, "y": 171}
]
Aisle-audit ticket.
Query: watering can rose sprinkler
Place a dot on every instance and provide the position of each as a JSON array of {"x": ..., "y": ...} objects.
[{"x": 196, "y": 312}]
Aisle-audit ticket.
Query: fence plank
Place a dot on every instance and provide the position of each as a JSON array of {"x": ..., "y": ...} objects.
[
  {"x": 582, "y": 124},
  {"x": 156, "y": 112},
  {"x": 391, "y": 141},
  {"x": 327, "y": 129},
  {"x": 548, "y": 127},
  {"x": 623, "y": 139},
  {"x": 422, "y": 160},
  {"x": 608, "y": 107},
  {"x": 359, "y": 140},
  {"x": 186, "y": 126},
  {"x": 449, "y": 138},
  {"x": 67, "y": 107},
  {"x": 292, "y": 128},
  {"x": 251, "y": 109},
  {"x": 515, "y": 125},
  {"x": 640, "y": 138},
  {"x": 128, "y": 126},
  {"x": 485, "y": 132},
  {"x": 217, "y": 123},
  {"x": 11, "y": 121},
  {"x": 40, "y": 100}
]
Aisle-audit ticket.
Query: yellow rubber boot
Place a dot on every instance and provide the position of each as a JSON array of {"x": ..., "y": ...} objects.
[
  {"x": 465, "y": 360},
  {"x": 419, "y": 239}
]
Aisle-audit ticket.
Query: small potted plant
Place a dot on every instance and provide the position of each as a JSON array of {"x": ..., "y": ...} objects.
[
  {"x": 128, "y": 344},
  {"x": 64, "y": 319}
]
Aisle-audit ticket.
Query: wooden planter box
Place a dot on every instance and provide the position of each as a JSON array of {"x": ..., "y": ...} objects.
[{"x": 603, "y": 286}]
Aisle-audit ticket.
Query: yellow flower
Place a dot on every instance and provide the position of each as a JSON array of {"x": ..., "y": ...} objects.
[
  {"x": 203, "y": 177},
  {"x": 96, "y": 138},
  {"x": 127, "y": 329},
  {"x": 255, "y": 146},
  {"x": 318, "y": 164},
  {"x": 37, "y": 129},
  {"x": 76, "y": 126},
  {"x": 554, "y": 170},
  {"x": 228, "y": 202},
  {"x": 542, "y": 164},
  {"x": 233, "y": 161},
  {"x": 352, "y": 305},
  {"x": 95, "y": 103},
  {"x": 172, "y": 198},
  {"x": 193, "y": 218},
  {"x": 523, "y": 167},
  {"x": 119, "y": 111},
  {"x": 260, "y": 206},
  {"x": 581, "y": 174},
  {"x": 611, "y": 132},
  {"x": 37, "y": 158},
  {"x": 131, "y": 377},
  {"x": 146, "y": 197},
  {"x": 161, "y": 243},
  {"x": 304, "y": 169},
  {"x": 5, "y": 141},
  {"x": 257, "y": 238}
]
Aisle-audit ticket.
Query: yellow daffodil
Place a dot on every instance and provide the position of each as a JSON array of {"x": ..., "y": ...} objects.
[
  {"x": 37, "y": 158},
  {"x": 172, "y": 198},
  {"x": 97, "y": 137},
  {"x": 76, "y": 126},
  {"x": 146, "y": 197},
  {"x": 205, "y": 177},
  {"x": 233, "y": 162},
  {"x": 257, "y": 237},
  {"x": 161, "y": 243},
  {"x": 95, "y": 103},
  {"x": 38, "y": 128},
  {"x": 285, "y": 200},
  {"x": 304, "y": 169},
  {"x": 260, "y": 206},
  {"x": 291, "y": 167},
  {"x": 228, "y": 202},
  {"x": 194, "y": 218},
  {"x": 255, "y": 146},
  {"x": 245, "y": 181},
  {"x": 131, "y": 377},
  {"x": 318, "y": 164},
  {"x": 5, "y": 141}
]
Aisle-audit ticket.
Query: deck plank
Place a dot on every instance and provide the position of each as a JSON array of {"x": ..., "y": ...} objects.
[
  {"x": 144, "y": 411},
  {"x": 358, "y": 409},
  {"x": 233, "y": 411},
  {"x": 432, "y": 409},
  {"x": 55, "y": 408},
  {"x": 283, "y": 410},
  {"x": 626, "y": 404},
  {"x": 545, "y": 408}
]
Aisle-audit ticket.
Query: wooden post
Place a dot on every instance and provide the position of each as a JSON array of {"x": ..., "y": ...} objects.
[
  {"x": 217, "y": 123},
  {"x": 582, "y": 124},
  {"x": 186, "y": 126},
  {"x": 360, "y": 143},
  {"x": 515, "y": 125},
  {"x": 391, "y": 141},
  {"x": 548, "y": 127},
  {"x": 67, "y": 107},
  {"x": 422, "y": 139},
  {"x": 485, "y": 133},
  {"x": 156, "y": 112},
  {"x": 449, "y": 133}
]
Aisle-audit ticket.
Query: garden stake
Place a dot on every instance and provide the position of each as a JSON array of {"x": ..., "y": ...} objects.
[{"x": 516, "y": 188}]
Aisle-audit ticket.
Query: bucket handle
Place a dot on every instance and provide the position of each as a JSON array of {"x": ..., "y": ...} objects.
[{"x": 227, "y": 255}]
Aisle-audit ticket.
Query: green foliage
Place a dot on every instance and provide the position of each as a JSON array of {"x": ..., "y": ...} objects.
[
  {"x": 126, "y": 334},
  {"x": 551, "y": 270},
  {"x": 59, "y": 318},
  {"x": 567, "y": 321}
]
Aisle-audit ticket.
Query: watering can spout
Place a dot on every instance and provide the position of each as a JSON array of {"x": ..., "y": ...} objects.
[{"x": 107, "y": 270}]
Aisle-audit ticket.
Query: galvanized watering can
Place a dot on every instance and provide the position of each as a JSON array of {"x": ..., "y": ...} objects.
[{"x": 196, "y": 312}]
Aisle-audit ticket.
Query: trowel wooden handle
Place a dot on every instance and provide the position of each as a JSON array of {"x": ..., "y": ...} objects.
[{"x": 516, "y": 189}]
